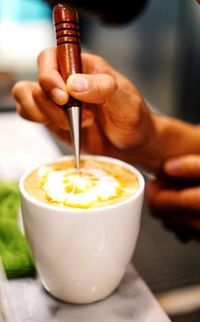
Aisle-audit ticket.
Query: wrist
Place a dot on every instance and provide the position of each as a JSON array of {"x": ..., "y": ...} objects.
[
  {"x": 166, "y": 138},
  {"x": 174, "y": 138}
]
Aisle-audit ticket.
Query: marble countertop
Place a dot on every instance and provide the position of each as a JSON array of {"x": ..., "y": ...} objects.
[
  {"x": 23, "y": 145},
  {"x": 131, "y": 302}
]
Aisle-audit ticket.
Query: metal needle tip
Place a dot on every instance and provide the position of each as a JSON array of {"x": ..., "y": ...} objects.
[{"x": 74, "y": 115}]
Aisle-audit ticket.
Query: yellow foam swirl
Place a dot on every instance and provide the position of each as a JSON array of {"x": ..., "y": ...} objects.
[{"x": 86, "y": 188}]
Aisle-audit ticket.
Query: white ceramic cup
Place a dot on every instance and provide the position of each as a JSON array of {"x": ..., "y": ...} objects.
[{"x": 81, "y": 255}]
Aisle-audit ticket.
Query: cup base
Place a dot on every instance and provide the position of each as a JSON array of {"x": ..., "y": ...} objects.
[{"x": 77, "y": 301}]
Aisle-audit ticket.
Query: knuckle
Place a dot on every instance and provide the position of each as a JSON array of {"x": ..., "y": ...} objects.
[
  {"x": 43, "y": 79},
  {"x": 37, "y": 95},
  {"x": 139, "y": 112},
  {"x": 42, "y": 55},
  {"x": 100, "y": 64},
  {"x": 99, "y": 59},
  {"x": 21, "y": 92},
  {"x": 108, "y": 88},
  {"x": 18, "y": 89},
  {"x": 113, "y": 85}
]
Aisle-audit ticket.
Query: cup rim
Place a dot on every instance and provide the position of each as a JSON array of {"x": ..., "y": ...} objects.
[{"x": 41, "y": 204}]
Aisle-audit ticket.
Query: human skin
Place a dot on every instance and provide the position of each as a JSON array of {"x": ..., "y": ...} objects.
[
  {"x": 117, "y": 122},
  {"x": 116, "y": 119},
  {"x": 175, "y": 199}
]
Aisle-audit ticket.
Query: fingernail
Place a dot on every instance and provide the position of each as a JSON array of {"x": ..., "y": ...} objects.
[
  {"x": 78, "y": 84},
  {"x": 172, "y": 166},
  {"x": 59, "y": 96}
]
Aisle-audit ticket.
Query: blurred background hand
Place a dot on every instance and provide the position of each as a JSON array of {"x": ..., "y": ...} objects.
[{"x": 175, "y": 197}]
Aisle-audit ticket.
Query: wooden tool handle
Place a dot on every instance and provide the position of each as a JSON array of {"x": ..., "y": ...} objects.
[{"x": 68, "y": 43}]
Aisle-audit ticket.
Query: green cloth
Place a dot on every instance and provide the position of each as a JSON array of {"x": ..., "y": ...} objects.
[{"x": 14, "y": 249}]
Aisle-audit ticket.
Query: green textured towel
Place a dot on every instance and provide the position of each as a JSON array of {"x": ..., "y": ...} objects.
[{"x": 14, "y": 249}]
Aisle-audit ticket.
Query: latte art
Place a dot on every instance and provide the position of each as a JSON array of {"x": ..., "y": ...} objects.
[
  {"x": 94, "y": 185},
  {"x": 84, "y": 188}
]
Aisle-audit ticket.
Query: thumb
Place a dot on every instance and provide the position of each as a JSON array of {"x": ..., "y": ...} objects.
[
  {"x": 94, "y": 89},
  {"x": 185, "y": 166}
]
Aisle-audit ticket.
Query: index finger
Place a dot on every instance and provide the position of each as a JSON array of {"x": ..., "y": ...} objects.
[
  {"x": 49, "y": 77},
  {"x": 187, "y": 166},
  {"x": 163, "y": 200}
]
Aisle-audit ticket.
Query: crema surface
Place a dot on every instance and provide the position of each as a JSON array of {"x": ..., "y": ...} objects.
[{"x": 96, "y": 184}]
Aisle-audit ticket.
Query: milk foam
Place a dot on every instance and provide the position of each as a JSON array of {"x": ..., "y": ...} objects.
[{"x": 85, "y": 188}]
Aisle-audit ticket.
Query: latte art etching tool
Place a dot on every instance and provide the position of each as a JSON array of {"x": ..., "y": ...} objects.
[{"x": 69, "y": 62}]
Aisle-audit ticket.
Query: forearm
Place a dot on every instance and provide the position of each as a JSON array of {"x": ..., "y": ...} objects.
[
  {"x": 176, "y": 137},
  {"x": 167, "y": 138}
]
